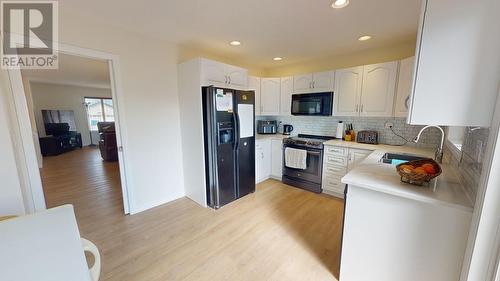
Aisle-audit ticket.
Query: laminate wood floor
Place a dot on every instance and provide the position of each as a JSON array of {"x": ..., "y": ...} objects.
[{"x": 277, "y": 233}]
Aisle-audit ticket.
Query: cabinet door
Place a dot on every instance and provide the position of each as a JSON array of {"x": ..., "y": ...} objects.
[
  {"x": 270, "y": 96},
  {"x": 456, "y": 83},
  {"x": 323, "y": 81},
  {"x": 286, "y": 96},
  {"x": 302, "y": 83},
  {"x": 254, "y": 85},
  {"x": 262, "y": 160},
  {"x": 213, "y": 71},
  {"x": 237, "y": 76},
  {"x": 348, "y": 84},
  {"x": 259, "y": 159},
  {"x": 356, "y": 156},
  {"x": 403, "y": 92},
  {"x": 379, "y": 86},
  {"x": 276, "y": 158}
]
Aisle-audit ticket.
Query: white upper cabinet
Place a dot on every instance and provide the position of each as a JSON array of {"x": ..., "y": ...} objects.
[
  {"x": 403, "y": 90},
  {"x": 313, "y": 82},
  {"x": 213, "y": 71},
  {"x": 223, "y": 75},
  {"x": 270, "y": 96},
  {"x": 365, "y": 90},
  {"x": 457, "y": 63},
  {"x": 237, "y": 76},
  {"x": 379, "y": 86},
  {"x": 286, "y": 96},
  {"x": 254, "y": 85},
  {"x": 302, "y": 83},
  {"x": 347, "y": 94},
  {"x": 323, "y": 81}
]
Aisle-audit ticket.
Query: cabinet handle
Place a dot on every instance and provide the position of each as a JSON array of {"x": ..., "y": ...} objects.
[
  {"x": 310, "y": 85},
  {"x": 229, "y": 77},
  {"x": 361, "y": 108},
  {"x": 356, "y": 108},
  {"x": 314, "y": 84},
  {"x": 406, "y": 102},
  {"x": 225, "y": 77}
]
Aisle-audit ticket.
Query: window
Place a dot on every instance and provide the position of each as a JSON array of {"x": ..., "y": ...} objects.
[
  {"x": 99, "y": 110},
  {"x": 456, "y": 136}
]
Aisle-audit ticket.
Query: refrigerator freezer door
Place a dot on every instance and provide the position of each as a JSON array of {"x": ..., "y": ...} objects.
[{"x": 220, "y": 139}]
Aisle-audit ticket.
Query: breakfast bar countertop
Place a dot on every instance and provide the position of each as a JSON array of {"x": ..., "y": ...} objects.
[{"x": 372, "y": 174}]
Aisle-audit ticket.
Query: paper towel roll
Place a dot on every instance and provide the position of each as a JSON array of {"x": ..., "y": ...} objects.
[{"x": 340, "y": 130}]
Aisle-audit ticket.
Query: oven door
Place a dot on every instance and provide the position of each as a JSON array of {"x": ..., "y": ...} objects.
[
  {"x": 318, "y": 104},
  {"x": 314, "y": 166}
]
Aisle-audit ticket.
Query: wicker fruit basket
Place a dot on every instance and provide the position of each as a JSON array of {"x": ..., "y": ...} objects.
[{"x": 418, "y": 172}]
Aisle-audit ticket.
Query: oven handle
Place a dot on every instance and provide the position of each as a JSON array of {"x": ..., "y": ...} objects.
[{"x": 314, "y": 153}]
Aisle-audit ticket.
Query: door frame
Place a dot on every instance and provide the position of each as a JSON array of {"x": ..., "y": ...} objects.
[{"x": 29, "y": 173}]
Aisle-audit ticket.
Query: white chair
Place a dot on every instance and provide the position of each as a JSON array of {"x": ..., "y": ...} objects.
[{"x": 46, "y": 246}]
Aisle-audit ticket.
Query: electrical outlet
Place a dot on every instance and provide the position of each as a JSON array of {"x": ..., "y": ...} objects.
[{"x": 388, "y": 124}]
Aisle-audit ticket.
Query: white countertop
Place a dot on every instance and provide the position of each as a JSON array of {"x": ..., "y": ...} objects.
[{"x": 445, "y": 190}]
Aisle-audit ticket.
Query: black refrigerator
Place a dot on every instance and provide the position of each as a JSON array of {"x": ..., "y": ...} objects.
[{"x": 229, "y": 133}]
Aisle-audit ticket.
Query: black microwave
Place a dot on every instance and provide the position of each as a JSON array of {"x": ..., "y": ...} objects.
[{"x": 317, "y": 104}]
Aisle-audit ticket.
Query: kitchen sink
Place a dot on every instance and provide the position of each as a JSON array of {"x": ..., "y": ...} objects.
[{"x": 395, "y": 159}]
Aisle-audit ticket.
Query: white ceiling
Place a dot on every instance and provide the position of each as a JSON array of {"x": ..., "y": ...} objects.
[
  {"x": 297, "y": 30},
  {"x": 73, "y": 70}
]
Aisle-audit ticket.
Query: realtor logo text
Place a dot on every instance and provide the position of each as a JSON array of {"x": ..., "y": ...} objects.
[{"x": 30, "y": 36}]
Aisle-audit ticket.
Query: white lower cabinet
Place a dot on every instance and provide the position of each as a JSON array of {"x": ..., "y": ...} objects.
[
  {"x": 337, "y": 161},
  {"x": 268, "y": 159},
  {"x": 262, "y": 160},
  {"x": 276, "y": 158}
]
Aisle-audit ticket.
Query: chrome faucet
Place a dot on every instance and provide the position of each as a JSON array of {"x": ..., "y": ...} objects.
[{"x": 439, "y": 152}]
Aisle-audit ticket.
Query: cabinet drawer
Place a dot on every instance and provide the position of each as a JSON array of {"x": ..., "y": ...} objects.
[
  {"x": 334, "y": 169},
  {"x": 333, "y": 184},
  {"x": 336, "y": 160},
  {"x": 335, "y": 150}
]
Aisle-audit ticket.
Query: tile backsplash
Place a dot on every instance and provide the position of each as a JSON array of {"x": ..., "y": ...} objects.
[
  {"x": 328, "y": 126},
  {"x": 469, "y": 161}
]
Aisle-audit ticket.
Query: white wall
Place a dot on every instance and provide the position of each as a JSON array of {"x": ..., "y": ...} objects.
[
  {"x": 150, "y": 123},
  {"x": 11, "y": 200},
  {"x": 65, "y": 97}
]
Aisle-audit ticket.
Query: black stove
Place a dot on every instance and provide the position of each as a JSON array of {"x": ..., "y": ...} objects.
[
  {"x": 312, "y": 141},
  {"x": 309, "y": 178}
]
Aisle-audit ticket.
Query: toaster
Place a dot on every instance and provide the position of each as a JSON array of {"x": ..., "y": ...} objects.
[
  {"x": 370, "y": 137},
  {"x": 267, "y": 126}
]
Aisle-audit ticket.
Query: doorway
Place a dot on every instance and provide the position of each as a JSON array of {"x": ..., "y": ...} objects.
[
  {"x": 72, "y": 118},
  {"x": 91, "y": 163}
]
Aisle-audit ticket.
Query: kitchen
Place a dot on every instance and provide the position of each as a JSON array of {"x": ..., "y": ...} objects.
[
  {"x": 341, "y": 132},
  {"x": 343, "y": 140}
]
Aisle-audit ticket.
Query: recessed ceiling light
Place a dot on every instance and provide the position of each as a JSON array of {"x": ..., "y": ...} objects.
[
  {"x": 337, "y": 4},
  {"x": 235, "y": 43},
  {"x": 364, "y": 38},
  {"x": 278, "y": 58}
]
